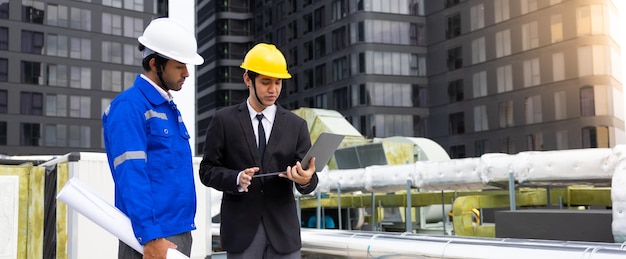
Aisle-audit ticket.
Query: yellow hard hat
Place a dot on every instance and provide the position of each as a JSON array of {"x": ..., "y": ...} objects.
[{"x": 266, "y": 59}]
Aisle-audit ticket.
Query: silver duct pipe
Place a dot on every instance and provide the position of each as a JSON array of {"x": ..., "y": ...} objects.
[{"x": 356, "y": 244}]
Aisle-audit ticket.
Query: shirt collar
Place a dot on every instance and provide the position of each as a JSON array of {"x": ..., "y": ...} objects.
[
  {"x": 269, "y": 112},
  {"x": 165, "y": 94}
]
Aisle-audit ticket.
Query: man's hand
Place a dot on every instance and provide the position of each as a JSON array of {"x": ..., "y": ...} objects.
[
  {"x": 299, "y": 175},
  {"x": 157, "y": 249},
  {"x": 245, "y": 178}
]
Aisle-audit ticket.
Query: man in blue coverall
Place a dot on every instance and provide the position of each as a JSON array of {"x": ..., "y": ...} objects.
[{"x": 147, "y": 145}]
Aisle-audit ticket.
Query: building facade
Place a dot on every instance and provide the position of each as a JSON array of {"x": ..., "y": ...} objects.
[
  {"x": 476, "y": 76},
  {"x": 489, "y": 76},
  {"x": 61, "y": 63},
  {"x": 516, "y": 75},
  {"x": 363, "y": 58}
]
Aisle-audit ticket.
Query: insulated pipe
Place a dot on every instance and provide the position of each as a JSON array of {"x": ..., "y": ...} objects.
[{"x": 355, "y": 244}]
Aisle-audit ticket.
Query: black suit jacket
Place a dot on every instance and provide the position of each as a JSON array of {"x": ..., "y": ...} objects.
[{"x": 230, "y": 147}]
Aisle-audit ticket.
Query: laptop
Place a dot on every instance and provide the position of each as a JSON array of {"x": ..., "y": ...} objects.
[{"x": 323, "y": 149}]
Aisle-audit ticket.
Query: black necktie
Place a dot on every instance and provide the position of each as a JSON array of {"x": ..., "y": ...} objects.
[{"x": 261, "y": 135}]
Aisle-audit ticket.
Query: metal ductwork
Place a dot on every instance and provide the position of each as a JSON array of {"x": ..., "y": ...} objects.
[{"x": 358, "y": 244}]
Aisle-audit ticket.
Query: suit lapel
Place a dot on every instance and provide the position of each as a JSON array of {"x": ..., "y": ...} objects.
[{"x": 246, "y": 126}]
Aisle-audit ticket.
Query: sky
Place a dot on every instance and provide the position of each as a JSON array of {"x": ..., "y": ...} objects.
[{"x": 183, "y": 11}]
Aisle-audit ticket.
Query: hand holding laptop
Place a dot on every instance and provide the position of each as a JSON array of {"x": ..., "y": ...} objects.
[{"x": 323, "y": 149}]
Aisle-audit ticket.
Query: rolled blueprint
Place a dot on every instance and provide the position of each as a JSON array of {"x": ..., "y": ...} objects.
[{"x": 105, "y": 215}]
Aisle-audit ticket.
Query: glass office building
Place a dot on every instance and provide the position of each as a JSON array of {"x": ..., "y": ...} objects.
[
  {"x": 61, "y": 63},
  {"x": 476, "y": 76}
]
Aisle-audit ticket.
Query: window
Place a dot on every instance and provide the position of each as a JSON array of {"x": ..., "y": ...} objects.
[
  {"x": 534, "y": 141},
  {"x": 558, "y": 66},
  {"x": 556, "y": 28},
  {"x": 4, "y": 38},
  {"x": 387, "y": 125},
  {"x": 503, "y": 43},
  {"x": 318, "y": 18},
  {"x": 31, "y": 73},
  {"x": 593, "y": 60},
  {"x": 455, "y": 90},
  {"x": 80, "y": 136},
  {"x": 33, "y": 11},
  {"x": 417, "y": 65},
  {"x": 31, "y": 103},
  {"x": 455, "y": 58},
  {"x": 339, "y": 38},
  {"x": 320, "y": 46},
  {"x": 501, "y": 8},
  {"x": 595, "y": 137},
  {"x": 80, "y": 107},
  {"x": 4, "y": 101},
  {"x": 587, "y": 107},
  {"x": 308, "y": 79},
  {"x": 321, "y": 101},
  {"x": 417, "y": 34},
  {"x": 112, "y": 24},
  {"x": 308, "y": 50},
  {"x": 593, "y": 101},
  {"x": 505, "y": 114},
  {"x": 4, "y": 70},
  {"x": 112, "y": 52},
  {"x": 457, "y": 151},
  {"x": 56, "y": 105},
  {"x": 339, "y": 9},
  {"x": 530, "y": 36},
  {"x": 477, "y": 17},
  {"x": 3, "y": 132},
  {"x": 507, "y": 145},
  {"x": 32, "y": 42},
  {"x": 590, "y": 20},
  {"x": 505, "y": 78},
  {"x": 80, "y": 77},
  {"x": 57, "y": 45},
  {"x": 360, "y": 95},
  {"x": 453, "y": 28},
  {"x": 131, "y": 55},
  {"x": 56, "y": 135},
  {"x": 80, "y": 48},
  {"x": 30, "y": 134},
  {"x": 4, "y": 9},
  {"x": 480, "y": 84},
  {"x": 480, "y": 118},
  {"x": 456, "y": 123},
  {"x": 111, "y": 80},
  {"x": 532, "y": 72},
  {"x": 58, "y": 15},
  {"x": 57, "y": 75},
  {"x": 390, "y": 94},
  {"x": 340, "y": 69},
  {"x": 133, "y": 27},
  {"x": 320, "y": 75},
  {"x": 480, "y": 147},
  {"x": 450, "y": 3},
  {"x": 308, "y": 23},
  {"x": 561, "y": 140},
  {"x": 533, "y": 109},
  {"x": 341, "y": 100},
  {"x": 478, "y": 50},
  {"x": 528, "y": 6},
  {"x": 560, "y": 105}
]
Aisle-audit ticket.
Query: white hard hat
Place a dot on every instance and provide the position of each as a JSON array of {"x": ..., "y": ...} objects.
[{"x": 168, "y": 38}]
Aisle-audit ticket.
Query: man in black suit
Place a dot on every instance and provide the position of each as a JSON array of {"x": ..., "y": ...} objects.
[{"x": 258, "y": 214}]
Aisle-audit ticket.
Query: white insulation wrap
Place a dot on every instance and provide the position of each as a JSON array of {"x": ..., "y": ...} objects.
[
  {"x": 107, "y": 216},
  {"x": 618, "y": 195},
  {"x": 592, "y": 165}
]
